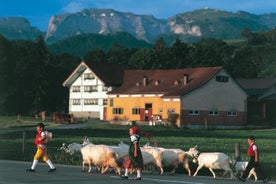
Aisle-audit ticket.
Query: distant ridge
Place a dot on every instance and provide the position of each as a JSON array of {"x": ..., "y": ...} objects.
[{"x": 186, "y": 26}]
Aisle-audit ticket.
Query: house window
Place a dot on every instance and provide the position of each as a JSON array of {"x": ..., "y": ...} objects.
[
  {"x": 118, "y": 110},
  {"x": 111, "y": 101},
  {"x": 171, "y": 110},
  {"x": 135, "y": 110},
  {"x": 213, "y": 113},
  {"x": 194, "y": 112},
  {"x": 76, "y": 101},
  {"x": 90, "y": 101},
  {"x": 105, "y": 88},
  {"x": 90, "y": 88},
  {"x": 222, "y": 78},
  {"x": 231, "y": 113},
  {"x": 88, "y": 76},
  {"x": 76, "y": 89},
  {"x": 104, "y": 101},
  {"x": 160, "y": 111}
]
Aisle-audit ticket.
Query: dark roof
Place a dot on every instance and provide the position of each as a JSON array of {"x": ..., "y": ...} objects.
[
  {"x": 167, "y": 82},
  {"x": 109, "y": 73},
  {"x": 261, "y": 83},
  {"x": 256, "y": 87}
]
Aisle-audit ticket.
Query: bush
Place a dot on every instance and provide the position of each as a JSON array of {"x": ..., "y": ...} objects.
[{"x": 172, "y": 118}]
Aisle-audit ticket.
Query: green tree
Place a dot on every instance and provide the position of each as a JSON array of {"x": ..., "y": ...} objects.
[
  {"x": 144, "y": 58},
  {"x": 211, "y": 52},
  {"x": 8, "y": 60},
  {"x": 179, "y": 52},
  {"x": 118, "y": 54},
  {"x": 246, "y": 63},
  {"x": 31, "y": 76},
  {"x": 60, "y": 67},
  {"x": 96, "y": 55},
  {"x": 163, "y": 55}
]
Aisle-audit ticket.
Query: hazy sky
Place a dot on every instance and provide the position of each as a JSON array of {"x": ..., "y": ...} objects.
[{"x": 38, "y": 12}]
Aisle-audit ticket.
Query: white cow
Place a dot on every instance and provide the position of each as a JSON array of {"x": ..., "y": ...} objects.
[
  {"x": 99, "y": 155},
  {"x": 173, "y": 157},
  {"x": 71, "y": 148},
  {"x": 241, "y": 166},
  {"x": 121, "y": 149},
  {"x": 74, "y": 147},
  {"x": 152, "y": 156},
  {"x": 212, "y": 160},
  {"x": 86, "y": 141}
]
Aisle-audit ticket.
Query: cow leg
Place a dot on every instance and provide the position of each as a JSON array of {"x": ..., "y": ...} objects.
[
  {"x": 118, "y": 170},
  {"x": 104, "y": 169},
  {"x": 172, "y": 172},
  {"x": 174, "y": 168},
  {"x": 113, "y": 164},
  {"x": 161, "y": 170},
  {"x": 197, "y": 169},
  {"x": 83, "y": 166},
  {"x": 228, "y": 169},
  {"x": 131, "y": 171},
  {"x": 89, "y": 166},
  {"x": 159, "y": 165},
  {"x": 211, "y": 170},
  {"x": 252, "y": 172},
  {"x": 187, "y": 167}
]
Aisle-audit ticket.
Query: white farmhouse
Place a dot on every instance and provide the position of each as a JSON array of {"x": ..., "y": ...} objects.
[{"x": 88, "y": 85}]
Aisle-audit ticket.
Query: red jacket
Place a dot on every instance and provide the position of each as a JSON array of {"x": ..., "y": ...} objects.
[
  {"x": 37, "y": 141},
  {"x": 250, "y": 150}
]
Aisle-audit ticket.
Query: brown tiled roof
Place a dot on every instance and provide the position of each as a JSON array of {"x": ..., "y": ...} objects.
[{"x": 167, "y": 82}]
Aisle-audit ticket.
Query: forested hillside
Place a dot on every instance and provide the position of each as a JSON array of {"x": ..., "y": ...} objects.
[
  {"x": 81, "y": 44},
  {"x": 31, "y": 76}
]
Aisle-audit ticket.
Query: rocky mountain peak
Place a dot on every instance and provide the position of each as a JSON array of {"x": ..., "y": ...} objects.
[
  {"x": 18, "y": 28},
  {"x": 103, "y": 21}
]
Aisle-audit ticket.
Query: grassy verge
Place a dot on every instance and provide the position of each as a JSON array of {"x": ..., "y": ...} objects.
[
  {"x": 22, "y": 122},
  {"x": 168, "y": 137}
]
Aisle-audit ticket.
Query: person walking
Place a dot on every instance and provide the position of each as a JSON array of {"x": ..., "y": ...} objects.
[
  {"x": 134, "y": 160},
  {"x": 253, "y": 153},
  {"x": 40, "y": 143}
]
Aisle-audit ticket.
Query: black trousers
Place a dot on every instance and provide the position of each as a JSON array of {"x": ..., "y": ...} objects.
[{"x": 252, "y": 164}]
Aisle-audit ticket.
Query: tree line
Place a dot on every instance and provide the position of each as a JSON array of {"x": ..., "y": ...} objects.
[{"x": 31, "y": 76}]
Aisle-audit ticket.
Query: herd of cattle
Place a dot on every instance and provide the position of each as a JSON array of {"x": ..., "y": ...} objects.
[{"x": 104, "y": 157}]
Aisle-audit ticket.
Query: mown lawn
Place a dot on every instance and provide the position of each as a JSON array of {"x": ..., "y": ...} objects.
[{"x": 168, "y": 137}]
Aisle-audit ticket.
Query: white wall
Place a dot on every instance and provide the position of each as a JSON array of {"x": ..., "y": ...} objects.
[{"x": 99, "y": 94}]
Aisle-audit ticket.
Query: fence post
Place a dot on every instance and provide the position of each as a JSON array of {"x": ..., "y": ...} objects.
[
  {"x": 237, "y": 152},
  {"x": 23, "y": 142}
]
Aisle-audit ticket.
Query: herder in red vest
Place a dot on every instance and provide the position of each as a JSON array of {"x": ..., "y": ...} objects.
[
  {"x": 134, "y": 160},
  {"x": 253, "y": 153},
  {"x": 40, "y": 143}
]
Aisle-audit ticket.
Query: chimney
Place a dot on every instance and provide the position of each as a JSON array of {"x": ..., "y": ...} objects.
[
  {"x": 145, "y": 80},
  {"x": 186, "y": 79}
]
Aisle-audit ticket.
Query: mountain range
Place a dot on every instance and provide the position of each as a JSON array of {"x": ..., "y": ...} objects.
[{"x": 186, "y": 26}]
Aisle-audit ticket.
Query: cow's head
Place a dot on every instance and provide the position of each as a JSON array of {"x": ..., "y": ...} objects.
[
  {"x": 193, "y": 152},
  {"x": 85, "y": 141},
  {"x": 63, "y": 147}
]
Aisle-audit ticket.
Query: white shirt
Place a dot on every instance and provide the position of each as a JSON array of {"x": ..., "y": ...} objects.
[{"x": 134, "y": 138}]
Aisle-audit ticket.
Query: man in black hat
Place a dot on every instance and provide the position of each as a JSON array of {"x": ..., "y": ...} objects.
[{"x": 253, "y": 153}]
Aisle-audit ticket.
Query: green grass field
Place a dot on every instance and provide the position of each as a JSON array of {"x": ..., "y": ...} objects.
[{"x": 168, "y": 137}]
